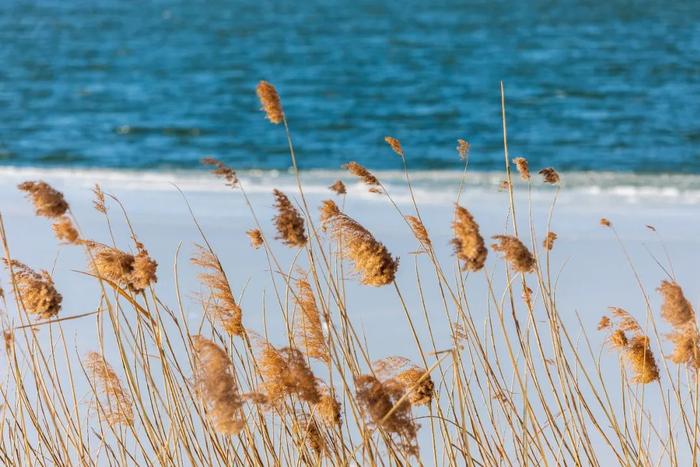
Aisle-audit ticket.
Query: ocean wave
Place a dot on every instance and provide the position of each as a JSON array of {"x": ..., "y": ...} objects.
[{"x": 437, "y": 186}]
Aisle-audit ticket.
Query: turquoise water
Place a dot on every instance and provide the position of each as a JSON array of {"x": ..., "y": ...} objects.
[{"x": 605, "y": 86}]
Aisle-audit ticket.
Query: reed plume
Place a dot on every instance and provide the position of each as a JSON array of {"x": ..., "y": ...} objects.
[
  {"x": 328, "y": 409},
  {"x": 462, "y": 149},
  {"x": 605, "y": 222},
  {"x": 641, "y": 360},
  {"x": 65, "y": 231},
  {"x": 308, "y": 435},
  {"x": 285, "y": 372},
  {"x": 338, "y": 188},
  {"x": 223, "y": 307},
  {"x": 686, "y": 347},
  {"x": 468, "y": 242},
  {"x": 47, "y": 201},
  {"x": 99, "y": 202},
  {"x": 216, "y": 386},
  {"x": 548, "y": 242},
  {"x": 363, "y": 174},
  {"x": 124, "y": 269},
  {"x": 256, "y": 238},
  {"x": 36, "y": 291},
  {"x": 116, "y": 406},
  {"x": 270, "y": 102},
  {"x": 419, "y": 231},
  {"x": 222, "y": 170},
  {"x": 377, "y": 400},
  {"x": 370, "y": 257},
  {"x": 308, "y": 329},
  {"x": 515, "y": 252},
  {"x": 395, "y": 145},
  {"x": 676, "y": 309},
  {"x": 550, "y": 175},
  {"x": 288, "y": 221},
  {"x": 401, "y": 374},
  {"x": 523, "y": 168}
]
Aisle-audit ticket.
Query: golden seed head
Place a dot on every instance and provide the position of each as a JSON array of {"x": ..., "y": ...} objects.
[
  {"x": 270, "y": 102},
  {"x": 686, "y": 347},
  {"x": 641, "y": 360},
  {"x": 47, "y": 201},
  {"x": 604, "y": 323},
  {"x": 222, "y": 170},
  {"x": 37, "y": 291},
  {"x": 289, "y": 222},
  {"x": 308, "y": 329},
  {"x": 328, "y": 410},
  {"x": 99, "y": 202},
  {"x": 371, "y": 258},
  {"x": 605, "y": 223},
  {"x": 124, "y": 269},
  {"x": 515, "y": 252},
  {"x": 256, "y": 238},
  {"x": 419, "y": 383},
  {"x": 65, "y": 231},
  {"x": 676, "y": 309},
  {"x": 286, "y": 372},
  {"x": 117, "y": 406},
  {"x": 9, "y": 339},
  {"x": 468, "y": 243},
  {"x": 462, "y": 149},
  {"x": 548, "y": 242},
  {"x": 419, "y": 231},
  {"x": 361, "y": 172},
  {"x": 222, "y": 305},
  {"x": 216, "y": 386},
  {"x": 338, "y": 188},
  {"x": 626, "y": 322},
  {"x": 550, "y": 175},
  {"x": 618, "y": 339},
  {"x": 395, "y": 145},
  {"x": 523, "y": 168}
]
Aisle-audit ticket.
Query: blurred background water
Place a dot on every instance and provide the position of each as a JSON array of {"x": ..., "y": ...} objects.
[{"x": 611, "y": 86}]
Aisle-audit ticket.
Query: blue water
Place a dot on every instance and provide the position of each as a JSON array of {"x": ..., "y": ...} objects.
[{"x": 611, "y": 85}]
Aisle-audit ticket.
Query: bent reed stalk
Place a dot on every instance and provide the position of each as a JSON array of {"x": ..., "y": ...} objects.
[{"x": 518, "y": 383}]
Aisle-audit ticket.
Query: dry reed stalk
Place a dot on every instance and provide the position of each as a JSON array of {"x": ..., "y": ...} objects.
[
  {"x": 523, "y": 168},
  {"x": 395, "y": 145},
  {"x": 222, "y": 170},
  {"x": 256, "y": 238},
  {"x": 338, "y": 188},
  {"x": 370, "y": 257},
  {"x": 36, "y": 290},
  {"x": 676, "y": 309},
  {"x": 515, "y": 252},
  {"x": 285, "y": 372},
  {"x": 136, "y": 273},
  {"x": 363, "y": 174},
  {"x": 548, "y": 242},
  {"x": 308, "y": 329},
  {"x": 419, "y": 230},
  {"x": 65, "y": 231},
  {"x": 270, "y": 102},
  {"x": 468, "y": 242},
  {"x": 47, "y": 201},
  {"x": 550, "y": 175},
  {"x": 377, "y": 400},
  {"x": 117, "y": 407},
  {"x": 462, "y": 149},
  {"x": 224, "y": 307},
  {"x": 288, "y": 221},
  {"x": 215, "y": 382}
]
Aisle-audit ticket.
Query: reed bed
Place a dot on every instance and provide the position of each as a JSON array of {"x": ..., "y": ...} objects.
[{"x": 517, "y": 384}]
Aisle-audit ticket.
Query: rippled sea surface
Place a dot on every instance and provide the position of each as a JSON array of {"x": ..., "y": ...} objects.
[{"x": 611, "y": 86}]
